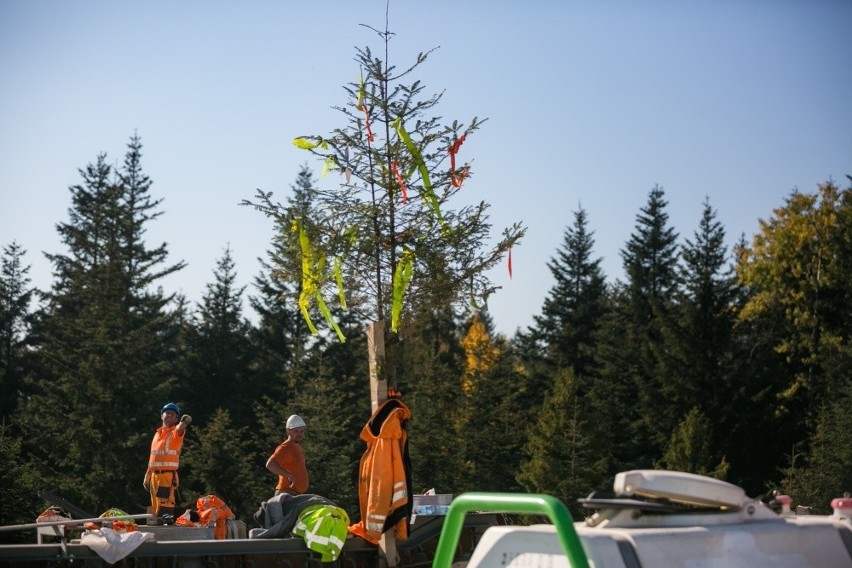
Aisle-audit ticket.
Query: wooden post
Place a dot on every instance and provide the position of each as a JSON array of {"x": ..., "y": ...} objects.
[
  {"x": 376, "y": 354},
  {"x": 378, "y": 395}
]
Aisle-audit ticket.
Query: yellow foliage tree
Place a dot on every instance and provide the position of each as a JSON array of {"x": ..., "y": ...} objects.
[
  {"x": 797, "y": 273},
  {"x": 481, "y": 353}
]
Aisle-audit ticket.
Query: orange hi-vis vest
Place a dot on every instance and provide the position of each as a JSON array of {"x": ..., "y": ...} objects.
[
  {"x": 165, "y": 449},
  {"x": 384, "y": 475}
]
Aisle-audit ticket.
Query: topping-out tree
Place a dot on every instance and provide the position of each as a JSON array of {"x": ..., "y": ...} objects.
[{"x": 382, "y": 240}]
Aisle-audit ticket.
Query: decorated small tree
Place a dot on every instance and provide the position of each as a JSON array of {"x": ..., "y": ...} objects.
[{"x": 378, "y": 236}]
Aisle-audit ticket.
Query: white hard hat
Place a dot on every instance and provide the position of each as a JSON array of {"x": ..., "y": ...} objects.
[{"x": 295, "y": 421}]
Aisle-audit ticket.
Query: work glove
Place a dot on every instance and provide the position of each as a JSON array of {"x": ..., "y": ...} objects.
[{"x": 186, "y": 419}]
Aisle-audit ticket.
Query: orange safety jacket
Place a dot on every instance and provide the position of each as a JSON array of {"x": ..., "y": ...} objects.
[
  {"x": 165, "y": 449},
  {"x": 384, "y": 475},
  {"x": 213, "y": 512}
]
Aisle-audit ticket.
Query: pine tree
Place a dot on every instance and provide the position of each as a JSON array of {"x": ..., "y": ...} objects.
[
  {"x": 15, "y": 318},
  {"x": 104, "y": 342}
]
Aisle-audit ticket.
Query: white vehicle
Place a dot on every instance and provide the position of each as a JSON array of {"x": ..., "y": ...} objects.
[{"x": 654, "y": 519}]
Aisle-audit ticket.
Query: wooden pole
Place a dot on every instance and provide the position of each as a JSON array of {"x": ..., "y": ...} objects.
[
  {"x": 378, "y": 395},
  {"x": 376, "y": 354}
]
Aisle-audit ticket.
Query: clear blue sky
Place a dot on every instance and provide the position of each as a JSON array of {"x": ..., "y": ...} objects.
[{"x": 589, "y": 104}]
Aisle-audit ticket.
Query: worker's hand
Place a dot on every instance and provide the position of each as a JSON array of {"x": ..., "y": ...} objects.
[
  {"x": 145, "y": 482},
  {"x": 186, "y": 419}
]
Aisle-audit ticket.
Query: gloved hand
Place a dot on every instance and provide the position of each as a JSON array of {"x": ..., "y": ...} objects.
[
  {"x": 186, "y": 419},
  {"x": 145, "y": 482}
]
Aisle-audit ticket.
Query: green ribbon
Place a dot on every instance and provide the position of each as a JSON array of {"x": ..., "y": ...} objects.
[
  {"x": 428, "y": 194},
  {"x": 401, "y": 278}
]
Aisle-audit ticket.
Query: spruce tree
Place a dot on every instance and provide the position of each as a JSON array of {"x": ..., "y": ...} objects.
[
  {"x": 690, "y": 448},
  {"x": 383, "y": 239},
  {"x": 494, "y": 419},
  {"x": 564, "y": 335},
  {"x": 15, "y": 319},
  {"x": 20, "y": 484},
  {"x": 104, "y": 343},
  {"x": 819, "y": 471},
  {"x": 574, "y": 305},
  {"x": 221, "y": 357},
  {"x": 708, "y": 313},
  {"x": 214, "y": 462},
  {"x": 561, "y": 458},
  {"x": 332, "y": 445},
  {"x": 650, "y": 263},
  {"x": 704, "y": 350},
  {"x": 432, "y": 386},
  {"x": 612, "y": 394}
]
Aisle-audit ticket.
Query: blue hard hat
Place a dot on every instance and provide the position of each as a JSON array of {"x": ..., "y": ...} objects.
[{"x": 171, "y": 406}]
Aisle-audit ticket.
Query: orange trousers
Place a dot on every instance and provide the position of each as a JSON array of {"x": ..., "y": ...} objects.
[{"x": 164, "y": 485}]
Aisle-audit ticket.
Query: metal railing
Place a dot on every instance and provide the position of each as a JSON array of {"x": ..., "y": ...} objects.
[{"x": 532, "y": 504}]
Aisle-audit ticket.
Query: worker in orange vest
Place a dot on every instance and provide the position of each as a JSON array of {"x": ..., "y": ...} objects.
[{"x": 161, "y": 477}]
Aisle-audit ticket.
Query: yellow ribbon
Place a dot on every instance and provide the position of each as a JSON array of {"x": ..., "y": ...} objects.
[
  {"x": 311, "y": 279},
  {"x": 308, "y": 144}
]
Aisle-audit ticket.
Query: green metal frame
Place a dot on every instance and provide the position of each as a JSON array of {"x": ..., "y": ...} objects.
[{"x": 532, "y": 504}]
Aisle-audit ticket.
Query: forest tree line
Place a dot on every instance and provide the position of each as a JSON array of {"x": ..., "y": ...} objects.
[{"x": 729, "y": 363}]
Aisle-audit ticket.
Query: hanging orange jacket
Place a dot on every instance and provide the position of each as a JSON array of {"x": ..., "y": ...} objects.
[{"x": 384, "y": 475}]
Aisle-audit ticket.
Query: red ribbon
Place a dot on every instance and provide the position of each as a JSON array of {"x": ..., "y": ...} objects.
[
  {"x": 370, "y": 136},
  {"x": 453, "y": 150},
  {"x": 510, "y": 263},
  {"x": 400, "y": 181}
]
